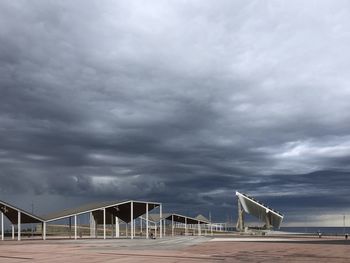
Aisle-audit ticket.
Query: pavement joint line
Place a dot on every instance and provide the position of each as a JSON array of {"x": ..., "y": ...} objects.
[
  {"x": 251, "y": 240},
  {"x": 14, "y": 257},
  {"x": 164, "y": 256}
]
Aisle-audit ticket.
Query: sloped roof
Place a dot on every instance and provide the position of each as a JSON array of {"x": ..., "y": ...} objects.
[
  {"x": 156, "y": 217},
  {"x": 177, "y": 218},
  {"x": 11, "y": 212},
  {"x": 78, "y": 210},
  {"x": 117, "y": 208},
  {"x": 202, "y": 218}
]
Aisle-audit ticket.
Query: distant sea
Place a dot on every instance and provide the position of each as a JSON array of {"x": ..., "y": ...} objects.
[{"x": 315, "y": 230}]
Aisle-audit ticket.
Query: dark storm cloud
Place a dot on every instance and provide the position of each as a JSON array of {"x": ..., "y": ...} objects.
[{"x": 176, "y": 101}]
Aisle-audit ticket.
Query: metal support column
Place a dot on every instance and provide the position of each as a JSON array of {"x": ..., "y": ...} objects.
[
  {"x": 44, "y": 230},
  {"x": 75, "y": 227},
  {"x": 117, "y": 234},
  {"x": 172, "y": 225},
  {"x": 160, "y": 221},
  {"x": 185, "y": 226},
  {"x": 104, "y": 223},
  {"x": 19, "y": 226},
  {"x": 112, "y": 227},
  {"x": 13, "y": 231},
  {"x": 117, "y": 227},
  {"x": 147, "y": 220},
  {"x": 132, "y": 220},
  {"x": 2, "y": 226}
]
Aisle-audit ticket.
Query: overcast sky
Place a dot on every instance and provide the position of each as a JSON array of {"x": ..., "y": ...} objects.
[{"x": 181, "y": 102}]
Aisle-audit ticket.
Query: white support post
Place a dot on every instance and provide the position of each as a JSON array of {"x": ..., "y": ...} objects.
[
  {"x": 172, "y": 225},
  {"x": 160, "y": 221},
  {"x": 13, "y": 231},
  {"x": 185, "y": 226},
  {"x": 211, "y": 228},
  {"x": 104, "y": 223},
  {"x": 132, "y": 220},
  {"x": 147, "y": 220},
  {"x": 117, "y": 234},
  {"x": 19, "y": 226},
  {"x": 199, "y": 229},
  {"x": 126, "y": 229},
  {"x": 44, "y": 230},
  {"x": 75, "y": 227},
  {"x": 2, "y": 226}
]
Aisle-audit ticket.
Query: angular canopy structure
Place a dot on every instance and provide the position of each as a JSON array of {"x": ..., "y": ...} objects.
[
  {"x": 251, "y": 206},
  {"x": 120, "y": 209},
  {"x": 177, "y": 218},
  {"x": 203, "y": 218},
  {"x": 11, "y": 212},
  {"x": 184, "y": 221},
  {"x": 100, "y": 213}
]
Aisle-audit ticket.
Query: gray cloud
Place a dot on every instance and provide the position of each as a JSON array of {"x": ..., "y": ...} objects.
[{"x": 176, "y": 101}]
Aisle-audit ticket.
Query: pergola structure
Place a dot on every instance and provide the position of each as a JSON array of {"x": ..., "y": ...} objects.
[
  {"x": 250, "y": 205},
  {"x": 177, "y": 218},
  {"x": 100, "y": 213}
]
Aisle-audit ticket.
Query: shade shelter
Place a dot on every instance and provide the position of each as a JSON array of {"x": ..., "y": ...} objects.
[
  {"x": 178, "y": 220},
  {"x": 104, "y": 213},
  {"x": 202, "y": 218},
  {"x": 17, "y": 217}
]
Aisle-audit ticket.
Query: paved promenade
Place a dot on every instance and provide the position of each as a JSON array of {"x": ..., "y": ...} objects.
[{"x": 179, "y": 249}]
